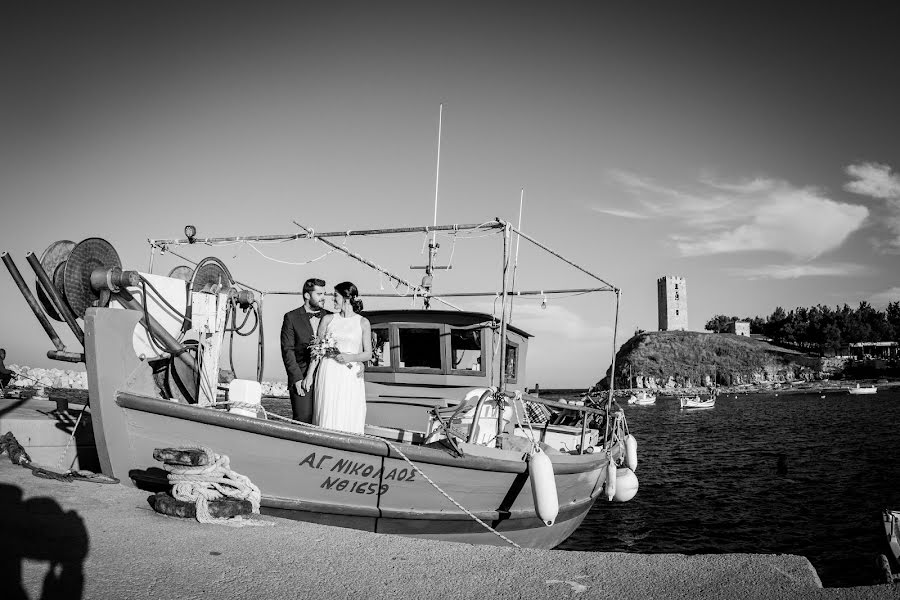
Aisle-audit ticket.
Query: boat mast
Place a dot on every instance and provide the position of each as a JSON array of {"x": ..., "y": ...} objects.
[{"x": 501, "y": 386}]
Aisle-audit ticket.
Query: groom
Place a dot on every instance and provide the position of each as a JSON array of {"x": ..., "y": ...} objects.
[{"x": 297, "y": 331}]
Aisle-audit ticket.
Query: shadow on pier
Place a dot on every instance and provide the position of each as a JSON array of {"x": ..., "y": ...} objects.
[{"x": 38, "y": 529}]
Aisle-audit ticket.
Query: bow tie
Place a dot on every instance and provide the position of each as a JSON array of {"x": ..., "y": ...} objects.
[{"x": 318, "y": 313}]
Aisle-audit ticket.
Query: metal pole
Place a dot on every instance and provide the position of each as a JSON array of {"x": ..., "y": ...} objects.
[
  {"x": 469, "y": 294},
  {"x": 612, "y": 374},
  {"x": 152, "y": 254},
  {"x": 32, "y": 302},
  {"x": 61, "y": 307},
  {"x": 326, "y": 234}
]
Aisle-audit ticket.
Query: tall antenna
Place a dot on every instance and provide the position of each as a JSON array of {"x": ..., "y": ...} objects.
[
  {"x": 437, "y": 177},
  {"x": 516, "y": 262},
  {"x": 428, "y": 278}
]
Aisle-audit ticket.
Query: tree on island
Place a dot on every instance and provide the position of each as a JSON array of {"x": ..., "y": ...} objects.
[{"x": 820, "y": 328}]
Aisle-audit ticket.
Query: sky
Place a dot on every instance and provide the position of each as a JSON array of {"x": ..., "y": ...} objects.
[{"x": 752, "y": 148}]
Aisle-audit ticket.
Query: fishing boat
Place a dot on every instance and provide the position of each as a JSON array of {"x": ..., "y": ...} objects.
[
  {"x": 859, "y": 391},
  {"x": 697, "y": 402},
  {"x": 642, "y": 398},
  {"x": 891, "y": 520},
  {"x": 453, "y": 449}
]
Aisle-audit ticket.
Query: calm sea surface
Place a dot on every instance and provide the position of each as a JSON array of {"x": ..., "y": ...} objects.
[{"x": 709, "y": 481}]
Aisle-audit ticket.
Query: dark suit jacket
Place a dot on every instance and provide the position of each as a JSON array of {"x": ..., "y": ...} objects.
[{"x": 296, "y": 334}]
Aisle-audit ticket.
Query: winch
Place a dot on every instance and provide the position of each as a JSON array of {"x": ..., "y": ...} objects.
[{"x": 73, "y": 277}]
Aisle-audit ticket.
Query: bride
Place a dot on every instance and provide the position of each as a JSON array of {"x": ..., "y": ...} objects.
[{"x": 339, "y": 396}]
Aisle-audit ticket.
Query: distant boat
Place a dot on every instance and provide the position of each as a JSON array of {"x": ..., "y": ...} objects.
[
  {"x": 642, "y": 398},
  {"x": 863, "y": 390},
  {"x": 696, "y": 402},
  {"x": 892, "y": 531}
]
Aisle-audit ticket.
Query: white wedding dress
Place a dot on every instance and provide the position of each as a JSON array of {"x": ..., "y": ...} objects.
[{"x": 340, "y": 392}]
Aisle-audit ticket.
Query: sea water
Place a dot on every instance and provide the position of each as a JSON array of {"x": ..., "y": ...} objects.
[
  {"x": 761, "y": 473},
  {"x": 710, "y": 480}
]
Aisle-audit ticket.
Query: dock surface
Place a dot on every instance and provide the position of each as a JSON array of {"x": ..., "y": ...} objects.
[{"x": 106, "y": 542}]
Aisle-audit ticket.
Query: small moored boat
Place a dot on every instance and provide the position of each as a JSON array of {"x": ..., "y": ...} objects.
[
  {"x": 697, "y": 402},
  {"x": 642, "y": 398},
  {"x": 891, "y": 520},
  {"x": 859, "y": 391}
]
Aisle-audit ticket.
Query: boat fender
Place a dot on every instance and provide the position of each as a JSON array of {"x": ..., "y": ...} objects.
[
  {"x": 631, "y": 452},
  {"x": 626, "y": 485},
  {"x": 543, "y": 486},
  {"x": 611, "y": 480}
]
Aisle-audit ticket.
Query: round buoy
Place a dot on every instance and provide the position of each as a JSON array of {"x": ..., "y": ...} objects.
[
  {"x": 631, "y": 452},
  {"x": 543, "y": 487},
  {"x": 626, "y": 485}
]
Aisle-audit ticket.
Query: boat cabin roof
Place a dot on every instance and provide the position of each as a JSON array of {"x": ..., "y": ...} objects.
[{"x": 450, "y": 317}]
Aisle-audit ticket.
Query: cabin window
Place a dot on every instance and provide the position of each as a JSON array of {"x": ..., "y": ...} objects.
[
  {"x": 512, "y": 362},
  {"x": 381, "y": 347},
  {"x": 420, "y": 347},
  {"x": 465, "y": 350}
]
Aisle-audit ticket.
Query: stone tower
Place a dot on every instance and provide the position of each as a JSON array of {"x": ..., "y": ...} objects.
[{"x": 671, "y": 292}]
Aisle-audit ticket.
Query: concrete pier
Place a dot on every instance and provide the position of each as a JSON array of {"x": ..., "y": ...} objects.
[{"x": 106, "y": 542}]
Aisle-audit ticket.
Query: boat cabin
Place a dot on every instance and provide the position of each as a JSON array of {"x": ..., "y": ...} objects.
[{"x": 425, "y": 359}]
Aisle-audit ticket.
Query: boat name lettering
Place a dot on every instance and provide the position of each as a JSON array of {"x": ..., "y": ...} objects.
[
  {"x": 358, "y": 487},
  {"x": 358, "y": 468}
]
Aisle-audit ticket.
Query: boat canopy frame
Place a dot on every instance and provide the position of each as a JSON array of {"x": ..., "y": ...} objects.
[{"x": 507, "y": 294}]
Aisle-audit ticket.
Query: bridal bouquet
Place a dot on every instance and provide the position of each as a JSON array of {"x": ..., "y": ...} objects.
[{"x": 325, "y": 347}]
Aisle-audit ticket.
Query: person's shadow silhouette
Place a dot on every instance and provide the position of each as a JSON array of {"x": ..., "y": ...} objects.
[{"x": 39, "y": 529}]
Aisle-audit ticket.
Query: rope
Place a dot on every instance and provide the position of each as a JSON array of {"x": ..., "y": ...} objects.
[
  {"x": 69, "y": 441},
  {"x": 392, "y": 446},
  {"x": 211, "y": 482},
  {"x": 287, "y": 262}
]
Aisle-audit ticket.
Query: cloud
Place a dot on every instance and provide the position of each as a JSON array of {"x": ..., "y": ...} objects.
[
  {"x": 799, "y": 222},
  {"x": 625, "y": 214},
  {"x": 874, "y": 180},
  {"x": 759, "y": 214},
  {"x": 883, "y": 298},
  {"x": 798, "y": 271},
  {"x": 877, "y": 181}
]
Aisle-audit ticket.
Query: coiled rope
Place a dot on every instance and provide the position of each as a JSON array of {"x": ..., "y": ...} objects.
[
  {"x": 214, "y": 481},
  {"x": 392, "y": 446}
]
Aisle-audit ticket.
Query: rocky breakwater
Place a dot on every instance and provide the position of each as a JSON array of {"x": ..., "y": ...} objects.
[
  {"x": 39, "y": 378},
  {"x": 687, "y": 359}
]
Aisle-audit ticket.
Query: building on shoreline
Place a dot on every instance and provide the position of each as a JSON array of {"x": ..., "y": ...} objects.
[{"x": 739, "y": 328}]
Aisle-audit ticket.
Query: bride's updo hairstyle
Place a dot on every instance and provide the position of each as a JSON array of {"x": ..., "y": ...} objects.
[{"x": 349, "y": 291}]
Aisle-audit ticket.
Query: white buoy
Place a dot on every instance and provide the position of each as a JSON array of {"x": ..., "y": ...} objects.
[
  {"x": 611, "y": 480},
  {"x": 543, "y": 486},
  {"x": 626, "y": 485},
  {"x": 631, "y": 452}
]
